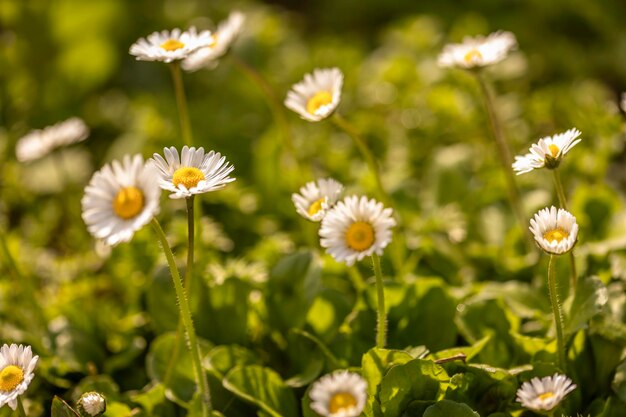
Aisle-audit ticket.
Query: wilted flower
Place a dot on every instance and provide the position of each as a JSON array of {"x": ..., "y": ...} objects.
[
  {"x": 479, "y": 51},
  {"x": 548, "y": 152},
  {"x": 223, "y": 37},
  {"x": 317, "y": 96},
  {"x": 120, "y": 199},
  {"x": 340, "y": 394},
  {"x": 39, "y": 143},
  {"x": 169, "y": 46},
  {"x": 555, "y": 231},
  {"x": 544, "y": 394},
  {"x": 194, "y": 172},
  {"x": 355, "y": 228},
  {"x": 17, "y": 364},
  {"x": 316, "y": 197}
]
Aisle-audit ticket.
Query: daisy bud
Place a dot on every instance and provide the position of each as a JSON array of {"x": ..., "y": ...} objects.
[{"x": 92, "y": 404}]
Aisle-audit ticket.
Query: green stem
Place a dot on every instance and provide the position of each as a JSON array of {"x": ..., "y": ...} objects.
[
  {"x": 380, "y": 289},
  {"x": 181, "y": 102},
  {"x": 506, "y": 160},
  {"x": 275, "y": 105},
  {"x": 557, "y": 311},
  {"x": 560, "y": 191},
  {"x": 185, "y": 314},
  {"x": 191, "y": 241},
  {"x": 20, "y": 407},
  {"x": 347, "y": 127}
]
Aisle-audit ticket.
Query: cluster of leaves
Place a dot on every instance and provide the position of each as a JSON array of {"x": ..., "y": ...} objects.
[{"x": 271, "y": 318}]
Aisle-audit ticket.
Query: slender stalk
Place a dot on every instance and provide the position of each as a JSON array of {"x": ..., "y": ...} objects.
[
  {"x": 557, "y": 311},
  {"x": 506, "y": 160},
  {"x": 20, "y": 407},
  {"x": 274, "y": 103},
  {"x": 181, "y": 102},
  {"x": 169, "y": 371},
  {"x": 347, "y": 127},
  {"x": 191, "y": 241},
  {"x": 558, "y": 185},
  {"x": 381, "y": 333},
  {"x": 185, "y": 313}
]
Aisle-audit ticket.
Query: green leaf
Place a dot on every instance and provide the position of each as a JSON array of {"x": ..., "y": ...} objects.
[
  {"x": 415, "y": 380},
  {"x": 222, "y": 310},
  {"x": 305, "y": 356},
  {"x": 222, "y": 359},
  {"x": 154, "y": 402},
  {"x": 619, "y": 381},
  {"x": 293, "y": 284},
  {"x": 161, "y": 301},
  {"x": 264, "y": 388},
  {"x": 375, "y": 364},
  {"x": 447, "y": 408},
  {"x": 469, "y": 351},
  {"x": 590, "y": 297},
  {"x": 61, "y": 409}
]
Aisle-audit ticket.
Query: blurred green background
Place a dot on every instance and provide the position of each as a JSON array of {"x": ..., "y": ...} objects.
[{"x": 426, "y": 126}]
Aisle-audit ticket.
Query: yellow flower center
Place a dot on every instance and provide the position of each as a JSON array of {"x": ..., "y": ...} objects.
[
  {"x": 341, "y": 401},
  {"x": 321, "y": 98},
  {"x": 554, "y": 150},
  {"x": 360, "y": 236},
  {"x": 557, "y": 234},
  {"x": 187, "y": 176},
  {"x": 546, "y": 395},
  {"x": 472, "y": 55},
  {"x": 172, "y": 45},
  {"x": 316, "y": 206},
  {"x": 10, "y": 377},
  {"x": 128, "y": 202}
]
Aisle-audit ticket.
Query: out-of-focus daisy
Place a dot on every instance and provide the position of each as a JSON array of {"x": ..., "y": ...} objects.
[
  {"x": 317, "y": 96},
  {"x": 340, "y": 394},
  {"x": 478, "y": 51},
  {"x": 120, "y": 199},
  {"x": 92, "y": 404},
  {"x": 169, "y": 46},
  {"x": 194, "y": 172},
  {"x": 223, "y": 37},
  {"x": 555, "y": 231},
  {"x": 316, "y": 197},
  {"x": 17, "y": 364},
  {"x": 355, "y": 228},
  {"x": 548, "y": 152},
  {"x": 542, "y": 395},
  {"x": 39, "y": 143}
]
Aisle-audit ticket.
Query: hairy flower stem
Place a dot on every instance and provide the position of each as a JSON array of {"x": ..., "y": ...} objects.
[
  {"x": 185, "y": 314},
  {"x": 557, "y": 311},
  {"x": 276, "y": 107},
  {"x": 558, "y": 185},
  {"x": 506, "y": 160},
  {"x": 381, "y": 332},
  {"x": 181, "y": 102}
]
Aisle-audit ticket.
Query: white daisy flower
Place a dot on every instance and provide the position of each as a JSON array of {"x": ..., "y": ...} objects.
[
  {"x": 92, "y": 404},
  {"x": 555, "y": 231},
  {"x": 316, "y": 197},
  {"x": 317, "y": 96},
  {"x": 548, "y": 152},
  {"x": 39, "y": 143},
  {"x": 478, "y": 51},
  {"x": 340, "y": 394},
  {"x": 169, "y": 46},
  {"x": 120, "y": 199},
  {"x": 226, "y": 34},
  {"x": 17, "y": 364},
  {"x": 544, "y": 394},
  {"x": 355, "y": 228},
  {"x": 194, "y": 172}
]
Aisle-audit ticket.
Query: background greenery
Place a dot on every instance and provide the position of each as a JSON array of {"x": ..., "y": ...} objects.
[{"x": 265, "y": 292}]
